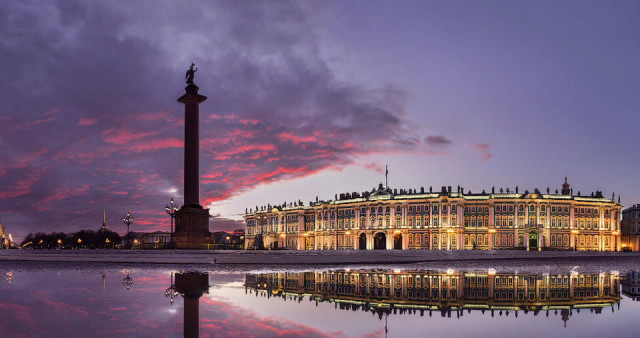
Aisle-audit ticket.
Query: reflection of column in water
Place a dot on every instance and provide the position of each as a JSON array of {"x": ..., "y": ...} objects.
[{"x": 191, "y": 285}]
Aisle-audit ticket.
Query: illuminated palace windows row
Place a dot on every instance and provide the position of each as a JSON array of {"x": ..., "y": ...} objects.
[{"x": 444, "y": 220}]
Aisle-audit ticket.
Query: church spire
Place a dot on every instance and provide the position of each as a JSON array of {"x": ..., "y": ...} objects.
[{"x": 104, "y": 219}]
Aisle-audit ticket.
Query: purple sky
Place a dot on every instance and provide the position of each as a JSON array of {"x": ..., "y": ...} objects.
[{"x": 306, "y": 99}]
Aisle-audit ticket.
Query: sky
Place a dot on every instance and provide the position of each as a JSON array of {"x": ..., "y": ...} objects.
[{"x": 306, "y": 99}]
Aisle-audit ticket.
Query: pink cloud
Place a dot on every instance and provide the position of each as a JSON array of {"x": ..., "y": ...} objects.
[
  {"x": 483, "y": 148},
  {"x": 87, "y": 121},
  {"x": 124, "y": 135},
  {"x": 296, "y": 139}
]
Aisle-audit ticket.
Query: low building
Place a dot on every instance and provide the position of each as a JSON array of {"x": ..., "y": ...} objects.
[
  {"x": 154, "y": 240},
  {"x": 227, "y": 240},
  {"x": 631, "y": 228},
  {"x": 443, "y": 220}
]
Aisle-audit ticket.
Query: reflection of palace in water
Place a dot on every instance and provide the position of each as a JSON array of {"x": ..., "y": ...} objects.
[
  {"x": 384, "y": 291},
  {"x": 631, "y": 285}
]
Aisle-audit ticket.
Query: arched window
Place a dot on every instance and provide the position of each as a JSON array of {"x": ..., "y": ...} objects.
[
  {"x": 466, "y": 239},
  {"x": 418, "y": 239},
  {"x": 398, "y": 221},
  {"x": 426, "y": 240},
  {"x": 497, "y": 240},
  {"x": 410, "y": 239}
]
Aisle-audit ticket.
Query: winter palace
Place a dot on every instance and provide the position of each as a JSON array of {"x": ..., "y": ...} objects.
[{"x": 444, "y": 220}]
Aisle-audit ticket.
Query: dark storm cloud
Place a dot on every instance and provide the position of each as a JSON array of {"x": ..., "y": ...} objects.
[
  {"x": 89, "y": 118},
  {"x": 437, "y": 140}
]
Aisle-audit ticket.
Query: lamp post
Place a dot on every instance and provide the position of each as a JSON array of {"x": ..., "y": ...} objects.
[
  {"x": 128, "y": 221},
  {"x": 171, "y": 210}
]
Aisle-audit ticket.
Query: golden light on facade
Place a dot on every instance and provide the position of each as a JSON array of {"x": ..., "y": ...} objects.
[
  {"x": 575, "y": 231},
  {"x": 397, "y": 232},
  {"x": 305, "y": 235},
  {"x": 348, "y": 232},
  {"x": 492, "y": 231},
  {"x": 282, "y": 235}
]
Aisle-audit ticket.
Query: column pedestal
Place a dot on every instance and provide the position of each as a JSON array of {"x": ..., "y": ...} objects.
[{"x": 192, "y": 228}]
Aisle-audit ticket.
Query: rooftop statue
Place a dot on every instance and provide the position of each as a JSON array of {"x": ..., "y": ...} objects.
[{"x": 190, "y": 74}]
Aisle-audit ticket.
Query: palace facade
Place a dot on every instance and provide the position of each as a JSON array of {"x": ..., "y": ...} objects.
[
  {"x": 394, "y": 291},
  {"x": 631, "y": 228},
  {"x": 444, "y": 220}
]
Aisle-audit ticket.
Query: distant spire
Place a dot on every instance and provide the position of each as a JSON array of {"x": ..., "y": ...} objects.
[{"x": 104, "y": 219}]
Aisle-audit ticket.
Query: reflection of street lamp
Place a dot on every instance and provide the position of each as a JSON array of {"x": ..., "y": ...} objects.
[
  {"x": 171, "y": 210},
  {"x": 127, "y": 281},
  {"x": 171, "y": 291}
]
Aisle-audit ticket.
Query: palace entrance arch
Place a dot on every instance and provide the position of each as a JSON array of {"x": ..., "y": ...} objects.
[
  {"x": 362, "y": 242},
  {"x": 533, "y": 240},
  {"x": 397, "y": 241},
  {"x": 380, "y": 241}
]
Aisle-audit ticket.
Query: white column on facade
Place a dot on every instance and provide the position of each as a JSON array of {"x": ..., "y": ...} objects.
[
  {"x": 405, "y": 240},
  {"x": 515, "y": 224}
]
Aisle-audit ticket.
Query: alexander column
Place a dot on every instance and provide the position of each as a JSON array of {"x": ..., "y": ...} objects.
[{"x": 192, "y": 220}]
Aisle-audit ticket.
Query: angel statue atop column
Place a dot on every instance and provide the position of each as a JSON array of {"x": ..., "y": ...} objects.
[{"x": 190, "y": 73}]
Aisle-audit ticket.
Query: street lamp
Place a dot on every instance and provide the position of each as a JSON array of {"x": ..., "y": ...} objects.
[
  {"x": 171, "y": 210},
  {"x": 128, "y": 221}
]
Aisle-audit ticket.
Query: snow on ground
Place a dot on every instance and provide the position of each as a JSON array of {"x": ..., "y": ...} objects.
[
  {"x": 296, "y": 257},
  {"x": 299, "y": 261}
]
